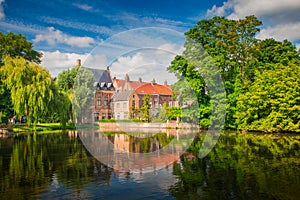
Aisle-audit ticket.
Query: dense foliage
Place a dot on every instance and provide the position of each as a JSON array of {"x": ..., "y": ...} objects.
[
  {"x": 26, "y": 88},
  {"x": 13, "y": 45},
  {"x": 272, "y": 103},
  {"x": 242, "y": 60},
  {"x": 16, "y": 45},
  {"x": 34, "y": 93},
  {"x": 145, "y": 109}
]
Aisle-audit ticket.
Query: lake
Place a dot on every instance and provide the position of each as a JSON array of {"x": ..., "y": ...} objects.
[{"x": 240, "y": 166}]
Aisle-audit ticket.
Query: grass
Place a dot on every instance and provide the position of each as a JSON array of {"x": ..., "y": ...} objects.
[
  {"x": 43, "y": 127},
  {"x": 120, "y": 120}
]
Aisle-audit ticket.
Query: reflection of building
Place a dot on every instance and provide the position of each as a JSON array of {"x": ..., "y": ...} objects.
[{"x": 121, "y": 143}]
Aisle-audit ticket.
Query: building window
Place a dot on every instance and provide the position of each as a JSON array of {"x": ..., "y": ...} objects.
[
  {"x": 103, "y": 115},
  {"x": 99, "y": 101},
  {"x": 118, "y": 105},
  {"x": 124, "y": 105},
  {"x": 105, "y": 100},
  {"x": 96, "y": 117},
  {"x": 109, "y": 116}
]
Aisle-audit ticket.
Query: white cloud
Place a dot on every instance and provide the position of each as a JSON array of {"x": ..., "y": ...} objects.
[
  {"x": 131, "y": 20},
  {"x": 53, "y": 37},
  {"x": 17, "y": 26},
  {"x": 83, "y": 6},
  {"x": 280, "y": 18},
  {"x": 78, "y": 25},
  {"x": 2, "y": 15},
  {"x": 57, "y": 61},
  {"x": 281, "y": 32},
  {"x": 242, "y": 8},
  {"x": 172, "y": 48},
  {"x": 97, "y": 61},
  {"x": 220, "y": 11},
  {"x": 147, "y": 64}
]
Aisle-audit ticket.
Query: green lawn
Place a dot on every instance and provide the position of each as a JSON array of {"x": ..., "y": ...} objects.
[{"x": 41, "y": 128}]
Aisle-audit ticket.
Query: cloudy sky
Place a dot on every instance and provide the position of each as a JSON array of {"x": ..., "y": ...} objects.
[{"x": 94, "y": 31}]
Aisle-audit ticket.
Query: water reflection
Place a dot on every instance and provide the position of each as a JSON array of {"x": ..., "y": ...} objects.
[
  {"x": 241, "y": 166},
  {"x": 136, "y": 152}
]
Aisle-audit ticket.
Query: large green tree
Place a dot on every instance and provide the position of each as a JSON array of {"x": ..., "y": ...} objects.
[
  {"x": 66, "y": 79},
  {"x": 272, "y": 102},
  {"x": 83, "y": 97},
  {"x": 65, "y": 82},
  {"x": 31, "y": 86},
  {"x": 239, "y": 56},
  {"x": 13, "y": 45}
]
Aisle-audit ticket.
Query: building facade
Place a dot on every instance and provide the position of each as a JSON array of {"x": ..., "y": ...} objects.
[
  {"x": 129, "y": 95},
  {"x": 103, "y": 95}
]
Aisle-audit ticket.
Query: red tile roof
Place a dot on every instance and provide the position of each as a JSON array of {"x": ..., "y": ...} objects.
[
  {"x": 130, "y": 85},
  {"x": 150, "y": 88}
]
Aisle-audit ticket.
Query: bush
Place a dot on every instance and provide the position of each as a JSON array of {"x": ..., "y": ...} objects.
[{"x": 120, "y": 120}]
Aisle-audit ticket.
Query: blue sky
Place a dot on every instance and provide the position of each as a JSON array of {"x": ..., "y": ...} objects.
[{"x": 67, "y": 30}]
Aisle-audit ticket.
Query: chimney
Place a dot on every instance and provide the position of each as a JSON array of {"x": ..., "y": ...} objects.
[
  {"x": 78, "y": 62},
  {"x": 153, "y": 81},
  {"x": 166, "y": 83},
  {"x": 127, "y": 78},
  {"x": 140, "y": 79},
  {"x": 108, "y": 71}
]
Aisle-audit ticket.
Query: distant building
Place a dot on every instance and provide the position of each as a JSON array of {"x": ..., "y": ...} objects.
[
  {"x": 129, "y": 96},
  {"x": 103, "y": 95},
  {"x": 121, "y": 108},
  {"x": 122, "y": 99}
]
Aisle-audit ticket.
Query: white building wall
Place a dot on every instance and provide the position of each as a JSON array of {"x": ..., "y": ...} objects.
[{"x": 121, "y": 110}]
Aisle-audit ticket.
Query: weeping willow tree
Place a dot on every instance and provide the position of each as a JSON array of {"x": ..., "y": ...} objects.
[{"x": 32, "y": 88}]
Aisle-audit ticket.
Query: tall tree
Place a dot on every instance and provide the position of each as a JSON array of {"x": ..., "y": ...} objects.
[
  {"x": 229, "y": 44},
  {"x": 31, "y": 87},
  {"x": 83, "y": 98},
  {"x": 13, "y": 45},
  {"x": 66, "y": 79},
  {"x": 145, "y": 109},
  {"x": 238, "y": 54}
]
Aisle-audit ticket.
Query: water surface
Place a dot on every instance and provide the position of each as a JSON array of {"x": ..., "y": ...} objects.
[{"x": 241, "y": 166}]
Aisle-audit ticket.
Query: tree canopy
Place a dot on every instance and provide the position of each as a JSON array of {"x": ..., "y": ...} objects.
[
  {"x": 16, "y": 45},
  {"x": 31, "y": 87},
  {"x": 13, "y": 45},
  {"x": 240, "y": 57},
  {"x": 34, "y": 93},
  {"x": 272, "y": 103}
]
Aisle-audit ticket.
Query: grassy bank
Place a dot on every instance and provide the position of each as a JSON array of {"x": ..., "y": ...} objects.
[{"x": 41, "y": 128}]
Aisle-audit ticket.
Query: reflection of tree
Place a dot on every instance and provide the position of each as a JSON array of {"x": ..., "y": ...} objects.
[
  {"x": 241, "y": 166},
  {"x": 26, "y": 168},
  {"x": 35, "y": 160},
  {"x": 149, "y": 144}
]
